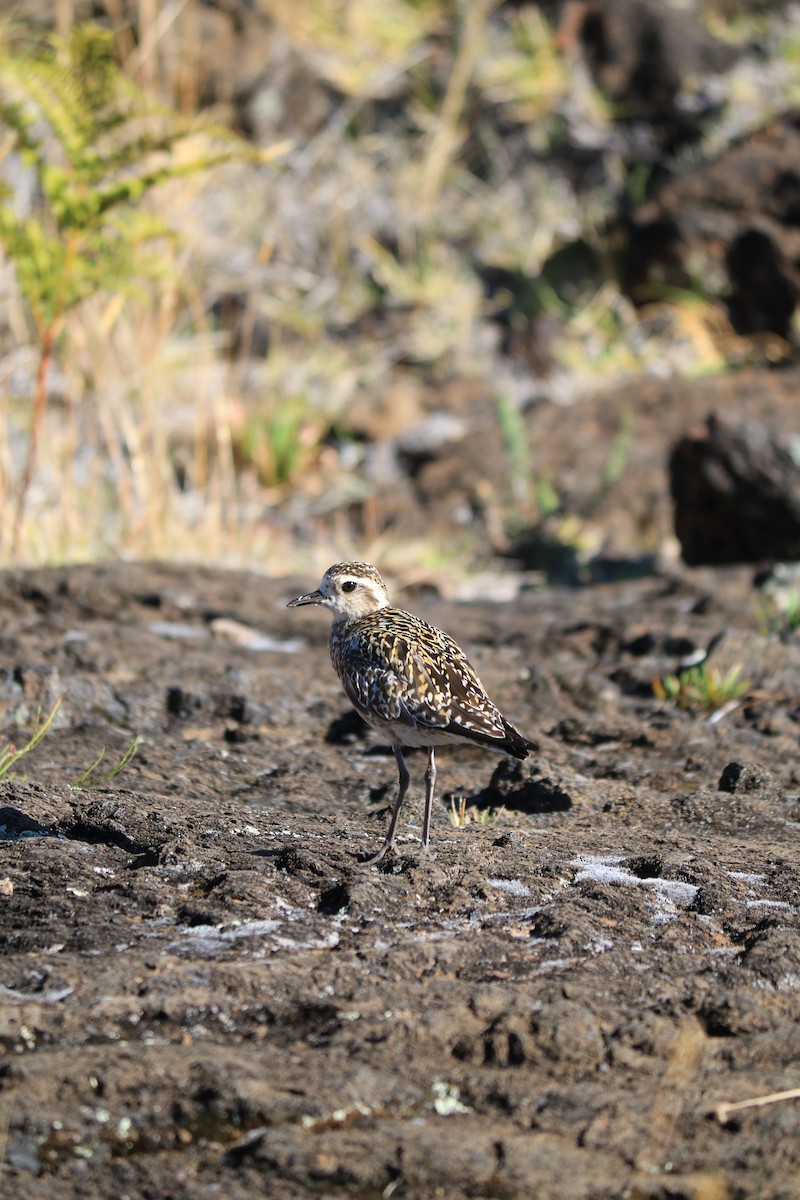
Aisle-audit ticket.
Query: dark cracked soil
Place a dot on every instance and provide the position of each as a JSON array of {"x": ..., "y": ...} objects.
[{"x": 205, "y": 991}]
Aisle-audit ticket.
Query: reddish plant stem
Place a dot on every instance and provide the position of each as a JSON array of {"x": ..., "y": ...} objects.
[{"x": 47, "y": 344}]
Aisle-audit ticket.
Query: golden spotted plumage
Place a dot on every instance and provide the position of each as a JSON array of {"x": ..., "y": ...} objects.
[
  {"x": 406, "y": 678},
  {"x": 401, "y": 672}
]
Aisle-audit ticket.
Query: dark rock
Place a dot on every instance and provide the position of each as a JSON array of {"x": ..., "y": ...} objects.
[
  {"x": 736, "y": 489},
  {"x": 744, "y": 777},
  {"x": 512, "y": 788},
  {"x": 642, "y": 53},
  {"x": 734, "y": 221}
]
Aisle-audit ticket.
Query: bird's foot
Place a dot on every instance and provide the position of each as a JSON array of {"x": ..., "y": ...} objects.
[{"x": 386, "y": 848}]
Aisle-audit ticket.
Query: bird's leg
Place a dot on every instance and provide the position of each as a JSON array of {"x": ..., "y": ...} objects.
[
  {"x": 430, "y": 783},
  {"x": 389, "y": 843}
]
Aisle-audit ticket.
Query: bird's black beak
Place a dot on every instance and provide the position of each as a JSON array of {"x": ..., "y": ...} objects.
[{"x": 309, "y": 598}]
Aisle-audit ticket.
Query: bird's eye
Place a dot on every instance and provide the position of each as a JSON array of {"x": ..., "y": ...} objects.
[{"x": 349, "y": 585}]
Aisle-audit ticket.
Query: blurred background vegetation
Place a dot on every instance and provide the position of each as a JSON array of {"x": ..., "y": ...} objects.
[{"x": 260, "y": 260}]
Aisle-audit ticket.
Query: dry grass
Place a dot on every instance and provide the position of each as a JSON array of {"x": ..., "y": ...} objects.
[{"x": 357, "y": 255}]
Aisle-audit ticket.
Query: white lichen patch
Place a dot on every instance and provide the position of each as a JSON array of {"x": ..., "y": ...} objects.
[
  {"x": 670, "y": 894},
  {"x": 446, "y": 1099},
  {"x": 514, "y": 887}
]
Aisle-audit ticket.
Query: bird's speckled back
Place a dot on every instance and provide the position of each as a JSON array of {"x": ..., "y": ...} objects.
[{"x": 395, "y": 667}]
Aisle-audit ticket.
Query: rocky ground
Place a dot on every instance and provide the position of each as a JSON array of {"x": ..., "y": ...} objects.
[
  {"x": 206, "y": 991},
  {"x": 205, "y": 988}
]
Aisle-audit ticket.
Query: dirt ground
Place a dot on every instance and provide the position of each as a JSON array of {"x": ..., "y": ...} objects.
[{"x": 207, "y": 993}]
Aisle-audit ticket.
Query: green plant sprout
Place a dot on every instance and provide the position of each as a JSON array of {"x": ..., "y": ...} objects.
[
  {"x": 275, "y": 442},
  {"x": 515, "y": 443},
  {"x": 10, "y": 754},
  {"x": 620, "y": 450},
  {"x": 90, "y": 778},
  {"x": 462, "y": 814},
  {"x": 702, "y": 687}
]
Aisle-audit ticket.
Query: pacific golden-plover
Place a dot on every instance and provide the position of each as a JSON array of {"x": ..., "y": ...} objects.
[{"x": 407, "y": 679}]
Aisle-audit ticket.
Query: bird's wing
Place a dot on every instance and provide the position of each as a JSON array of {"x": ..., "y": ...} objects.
[
  {"x": 446, "y": 693},
  {"x": 375, "y": 692},
  {"x": 411, "y": 673},
  {"x": 398, "y": 669}
]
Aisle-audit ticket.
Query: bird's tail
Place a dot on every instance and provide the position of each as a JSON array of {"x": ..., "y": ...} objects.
[{"x": 516, "y": 743}]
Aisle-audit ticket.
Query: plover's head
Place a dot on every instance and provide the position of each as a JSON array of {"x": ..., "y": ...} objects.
[{"x": 349, "y": 590}]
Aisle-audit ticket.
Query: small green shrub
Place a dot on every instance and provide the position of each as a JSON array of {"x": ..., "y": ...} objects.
[
  {"x": 702, "y": 687},
  {"x": 461, "y": 813}
]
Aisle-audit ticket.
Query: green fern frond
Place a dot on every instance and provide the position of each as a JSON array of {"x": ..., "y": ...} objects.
[
  {"x": 97, "y": 145},
  {"x": 52, "y": 92}
]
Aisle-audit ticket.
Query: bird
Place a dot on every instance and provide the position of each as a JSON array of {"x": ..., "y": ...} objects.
[{"x": 407, "y": 679}]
